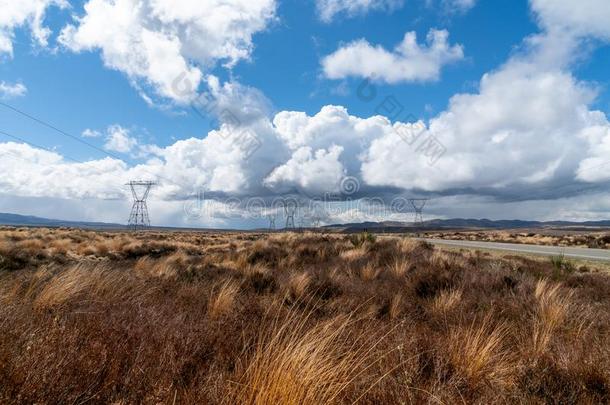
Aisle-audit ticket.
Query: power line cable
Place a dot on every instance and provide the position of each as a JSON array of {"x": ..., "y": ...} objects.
[
  {"x": 17, "y": 138},
  {"x": 78, "y": 139},
  {"x": 41, "y": 122}
]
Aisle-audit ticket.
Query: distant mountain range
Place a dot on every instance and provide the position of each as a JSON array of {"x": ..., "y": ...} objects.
[
  {"x": 460, "y": 223},
  {"x": 388, "y": 226},
  {"x": 28, "y": 220}
]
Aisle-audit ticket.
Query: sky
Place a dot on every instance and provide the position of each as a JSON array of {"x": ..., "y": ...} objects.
[{"x": 237, "y": 108}]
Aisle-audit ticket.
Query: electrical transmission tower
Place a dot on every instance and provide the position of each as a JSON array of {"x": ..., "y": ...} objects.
[
  {"x": 418, "y": 205},
  {"x": 317, "y": 214},
  {"x": 271, "y": 222},
  {"x": 138, "y": 219},
  {"x": 290, "y": 210}
]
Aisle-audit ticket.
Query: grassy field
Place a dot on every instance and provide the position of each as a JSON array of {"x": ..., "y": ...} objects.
[
  {"x": 95, "y": 317},
  {"x": 548, "y": 237}
]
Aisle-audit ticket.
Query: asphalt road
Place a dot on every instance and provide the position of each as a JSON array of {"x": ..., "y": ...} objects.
[{"x": 570, "y": 252}]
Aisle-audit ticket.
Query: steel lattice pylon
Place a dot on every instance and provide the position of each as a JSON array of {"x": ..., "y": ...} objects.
[
  {"x": 138, "y": 219},
  {"x": 290, "y": 210},
  {"x": 418, "y": 205},
  {"x": 271, "y": 222}
]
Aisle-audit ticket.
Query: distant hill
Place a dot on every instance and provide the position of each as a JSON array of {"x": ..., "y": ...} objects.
[
  {"x": 28, "y": 220},
  {"x": 459, "y": 223},
  {"x": 387, "y": 226}
]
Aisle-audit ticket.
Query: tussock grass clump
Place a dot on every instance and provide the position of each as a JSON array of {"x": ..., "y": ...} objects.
[
  {"x": 261, "y": 281},
  {"x": 369, "y": 272},
  {"x": 552, "y": 306},
  {"x": 79, "y": 284},
  {"x": 298, "y": 285},
  {"x": 394, "y": 306},
  {"x": 446, "y": 301},
  {"x": 479, "y": 356},
  {"x": 399, "y": 267},
  {"x": 354, "y": 255},
  {"x": 223, "y": 300},
  {"x": 295, "y": 363}
]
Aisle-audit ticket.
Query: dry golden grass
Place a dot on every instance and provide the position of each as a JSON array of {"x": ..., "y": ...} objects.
[
  {"x": 446, "y": 301},
  {"x": 170, "y": 266},
  {"x": 552, "y": 308},
  {"x": 70, "y": 284},
  {"x": 479, "y": 355},
  {"x": 194, "y": 317},
  {"x": 399, "y": 267},
  {"x": 353, "y": 255},
  {"x": 395, "y": 307},
  {"x": 369, "y": 272},
  {"x": 592, "y": 239},
  {"x": 298, "y": 285},
  {"x": 78, "y": 283},
  {"x": 223, "y": 300},
  {"x": 294, "y": 363}
]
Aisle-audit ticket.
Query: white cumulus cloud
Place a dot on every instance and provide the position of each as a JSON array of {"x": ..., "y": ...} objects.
[
  {"x": 39, "y": 173},
  {"x": 30, "y": 13},
  {"x": 119, "y": 139},
  {"x": 12, "y": 90},
  {"x": 408, "y": 62},
  {"x": 91, "y": 133},
  {"x": 329, "y": 9},
  {"x": 157, "y": 43},
  {"x": 520, "y": 127},
  {"x": 453, "y": 6},
  {"x": 462, "y": 5},
  {"x": 317, "y": 172},
  {"x": 531, "y": 116},
  {"x": 582, "y": 18}
]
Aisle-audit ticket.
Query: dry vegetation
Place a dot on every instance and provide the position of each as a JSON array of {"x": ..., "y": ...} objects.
[
  {"x": 594, "y": 240},
  {"x": 292, "y": 318}
]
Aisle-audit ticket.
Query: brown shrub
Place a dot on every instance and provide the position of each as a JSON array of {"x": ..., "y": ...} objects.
[{"x": 261, "y": 282}]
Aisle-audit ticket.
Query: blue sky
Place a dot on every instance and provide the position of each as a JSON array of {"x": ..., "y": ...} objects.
[
  {"x": 75, "y": 91},
  {"x": 291, "y": 58}
]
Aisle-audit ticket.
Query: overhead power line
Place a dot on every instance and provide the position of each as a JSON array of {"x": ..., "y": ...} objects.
[{"x": 77, "y": 138}]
